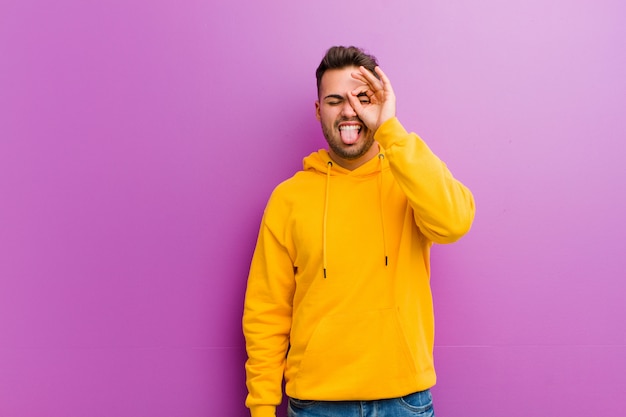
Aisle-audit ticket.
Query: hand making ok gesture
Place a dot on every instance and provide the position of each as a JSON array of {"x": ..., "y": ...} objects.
[{"x": 382, "y": 99}]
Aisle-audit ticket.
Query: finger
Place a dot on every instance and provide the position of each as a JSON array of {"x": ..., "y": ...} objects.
[
  {"x": 359, "y": 77},
  {"x": 355, "y": 102},
  {"x": 373, "y": 81},
  {"x": 366, "y": 76},
  {"x": 364, "y": 92},
  {"x": 384, "y": 80}
]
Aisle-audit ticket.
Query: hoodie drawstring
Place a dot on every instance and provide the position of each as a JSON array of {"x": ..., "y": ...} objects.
[
  {"x": 329, "y": 165},
  {"x": 382, "y": 210}
]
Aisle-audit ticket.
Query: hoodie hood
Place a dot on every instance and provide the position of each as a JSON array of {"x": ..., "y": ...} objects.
[{"x": 318, "y": 161}]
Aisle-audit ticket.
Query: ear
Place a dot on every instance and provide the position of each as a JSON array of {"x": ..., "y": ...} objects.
[{"x": 317, "y": 111}]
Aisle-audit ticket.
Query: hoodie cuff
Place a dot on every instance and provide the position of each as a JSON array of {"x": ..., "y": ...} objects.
[
  {"x": 389, "y": 131},
  {"x": 263, "y": 411}
]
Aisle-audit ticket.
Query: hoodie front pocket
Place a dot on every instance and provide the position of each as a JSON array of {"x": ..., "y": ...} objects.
[{"x": 355, "y": 354}]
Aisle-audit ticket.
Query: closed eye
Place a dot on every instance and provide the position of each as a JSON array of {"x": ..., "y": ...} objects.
[{"x": 333, "y": 99}]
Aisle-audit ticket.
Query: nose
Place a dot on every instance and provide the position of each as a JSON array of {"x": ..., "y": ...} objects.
[{"x": 347, "y": 110}]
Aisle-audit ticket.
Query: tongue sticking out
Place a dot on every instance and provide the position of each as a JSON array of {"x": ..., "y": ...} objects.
[{"x": 349, "y": 134}]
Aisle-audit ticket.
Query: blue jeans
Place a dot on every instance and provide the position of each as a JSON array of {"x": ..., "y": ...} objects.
[{"x": 419, "y": 404}]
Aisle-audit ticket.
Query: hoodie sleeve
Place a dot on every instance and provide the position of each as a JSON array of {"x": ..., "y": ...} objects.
[
  {"x": 267, "y": 318},
  {"x": 443, "y": 207}
]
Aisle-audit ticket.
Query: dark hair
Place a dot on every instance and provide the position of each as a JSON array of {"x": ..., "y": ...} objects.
[{"x": 339, "y": 57}]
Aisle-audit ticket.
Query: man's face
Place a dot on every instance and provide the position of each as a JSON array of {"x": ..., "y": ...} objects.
[{"x": 348, "y": 138}]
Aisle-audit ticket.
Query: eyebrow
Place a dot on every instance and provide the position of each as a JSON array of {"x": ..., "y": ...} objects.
[{"x": 333, "y": 97}]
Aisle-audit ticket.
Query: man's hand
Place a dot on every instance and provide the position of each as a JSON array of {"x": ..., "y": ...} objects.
[{"x": 375, "y": 102}]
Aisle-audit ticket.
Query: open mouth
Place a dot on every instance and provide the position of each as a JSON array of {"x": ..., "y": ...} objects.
[{"x": 349, "y": 132}]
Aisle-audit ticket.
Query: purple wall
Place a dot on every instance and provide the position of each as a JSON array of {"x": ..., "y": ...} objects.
[{"x": 139, "y": 141}]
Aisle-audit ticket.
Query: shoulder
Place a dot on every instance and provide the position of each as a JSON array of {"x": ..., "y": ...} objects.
[
  {"x": 302, "y": 189},
  {"x": 298, "y": 184}
]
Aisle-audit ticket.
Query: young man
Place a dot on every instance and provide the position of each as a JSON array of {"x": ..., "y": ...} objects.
[{"x": 338, "y": 299}]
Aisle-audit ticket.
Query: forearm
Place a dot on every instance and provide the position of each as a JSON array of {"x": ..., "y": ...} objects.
[
  {"x": 267, "y": 342},
  {"x": 267, "y": 323},
  {"x": 443, "y": 207}
]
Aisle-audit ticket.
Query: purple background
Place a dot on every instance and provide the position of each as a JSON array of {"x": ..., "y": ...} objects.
[{"x": 139, "y": 142}]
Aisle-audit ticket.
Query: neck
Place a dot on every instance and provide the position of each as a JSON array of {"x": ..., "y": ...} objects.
[{"x": 352, "y": 164}]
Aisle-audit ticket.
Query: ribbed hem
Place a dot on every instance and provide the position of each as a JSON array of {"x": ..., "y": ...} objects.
[{"x": 263, "y": 411}]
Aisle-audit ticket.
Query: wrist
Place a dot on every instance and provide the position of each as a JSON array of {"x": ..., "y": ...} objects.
[{"x": 388, "y": 131}]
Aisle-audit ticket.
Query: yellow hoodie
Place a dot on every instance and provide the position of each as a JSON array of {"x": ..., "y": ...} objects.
[{"x": 338, "y": 298}]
